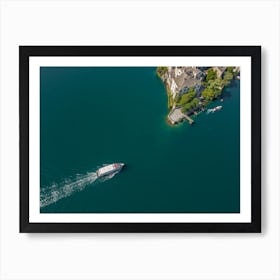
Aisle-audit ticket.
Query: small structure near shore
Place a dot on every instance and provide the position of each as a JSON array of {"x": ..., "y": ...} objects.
[{"x": 176, "y": 116}]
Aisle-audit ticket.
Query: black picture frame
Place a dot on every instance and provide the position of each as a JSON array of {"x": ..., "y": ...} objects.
[{"x": 25, "y": 52}]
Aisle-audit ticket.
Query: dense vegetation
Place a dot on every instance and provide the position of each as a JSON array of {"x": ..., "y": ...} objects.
[
  {"x": 188, "y": 101},
  {"x": 186, "y": 98},
  {"x": 214, "y": 85},
  {"x": 228, "y": 75},
  {"x": 190, "y": 105},
  {"x": 161, "y": 70}
]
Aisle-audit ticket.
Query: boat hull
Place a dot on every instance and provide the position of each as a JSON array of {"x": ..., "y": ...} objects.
[{"x": 109, "y": 169}]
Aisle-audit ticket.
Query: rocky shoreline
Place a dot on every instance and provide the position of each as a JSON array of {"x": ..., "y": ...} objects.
[{"x": 191, "y": 89}]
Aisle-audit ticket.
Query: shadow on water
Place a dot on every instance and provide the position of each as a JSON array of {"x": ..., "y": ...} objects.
[{"x": 227, "y": 93}]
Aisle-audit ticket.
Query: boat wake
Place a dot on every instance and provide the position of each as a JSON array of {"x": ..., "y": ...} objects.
[{"x": 57, "y": 191}]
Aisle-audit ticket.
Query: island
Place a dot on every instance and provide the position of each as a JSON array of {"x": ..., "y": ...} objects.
[{"x": 191, "y": 89}]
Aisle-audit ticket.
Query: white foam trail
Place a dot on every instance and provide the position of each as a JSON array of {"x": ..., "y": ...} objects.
[{"x": 55, "y": 192}]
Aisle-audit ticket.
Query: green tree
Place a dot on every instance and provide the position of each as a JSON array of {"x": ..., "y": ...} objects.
[
  {"x": 211, "y": 75},
  {"x": 208, "y": 94},
  {"x": 195, "y": 103},
  {"x": 192, "y": 92},
  {"x": 187, "y": 97},
  {"x": 228, "y": 76},
  {"x": 161, "y": 70},
  {"x": 177, "y": 99},
  {"x": 184, "y": 99},
  {"x": 217, "y": 86},
  {"x": 229, "y": 70},
  {"x": 186, "y": 108}
]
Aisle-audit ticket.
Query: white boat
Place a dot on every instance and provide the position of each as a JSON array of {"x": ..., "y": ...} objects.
[
  {"x": 109, "y": 169},
  {"x": 217, "y": 108},
  {"x": 214, "y": 109}
]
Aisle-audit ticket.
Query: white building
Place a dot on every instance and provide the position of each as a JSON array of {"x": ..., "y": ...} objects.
[{"x": 173, "y": 88}]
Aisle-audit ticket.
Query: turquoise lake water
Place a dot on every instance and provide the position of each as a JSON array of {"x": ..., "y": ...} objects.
[{"x": 92, "y": 116}]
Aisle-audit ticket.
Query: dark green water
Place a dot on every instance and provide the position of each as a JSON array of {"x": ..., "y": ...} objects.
[{"x": 93, "y": 116}]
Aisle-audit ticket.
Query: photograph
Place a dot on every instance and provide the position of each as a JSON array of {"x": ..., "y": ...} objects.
[{"x": 161, "y": 139}]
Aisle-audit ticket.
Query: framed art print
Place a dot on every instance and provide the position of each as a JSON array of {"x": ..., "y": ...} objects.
[{"x": 140, "y": 138}]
